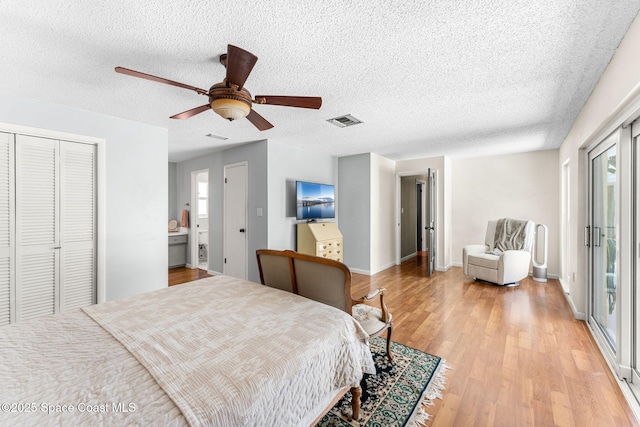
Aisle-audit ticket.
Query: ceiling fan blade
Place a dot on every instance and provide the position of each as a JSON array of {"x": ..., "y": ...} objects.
[
  {"x": 258, "y": 121},
  {"x": 190, "y": 113},
  {"x": 146, "y": 76},
  {"x": 239, "y": 65},
  {"x": 291, "y": 101}
]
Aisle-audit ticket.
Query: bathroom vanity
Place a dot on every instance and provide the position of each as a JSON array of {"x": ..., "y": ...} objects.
[{"x": 178, "y": 241}]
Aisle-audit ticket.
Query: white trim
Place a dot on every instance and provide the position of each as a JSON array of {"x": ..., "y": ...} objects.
[
  {"x": 101, "y": 196},
  {"x": 407, "y": 257},
  {"x": 215, "y": 273},
  {"x": 577, "y": 314},
  {"x": 625, "y": 388},
  {"x": 437, "y": 223},
  {"x": 565, "y": 222},
  {"x": 193, "y": 217},
  {"x": 360, "y": 271},
  {"x": 446, "y": 267},
  {"x": 384, "y": 267},
  {"x": 625, "y": 113}
]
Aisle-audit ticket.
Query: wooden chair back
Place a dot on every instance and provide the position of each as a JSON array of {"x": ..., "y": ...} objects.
[{"x": 320, "y": 279}]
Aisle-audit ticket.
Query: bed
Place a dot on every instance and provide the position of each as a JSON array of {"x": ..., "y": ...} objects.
[{"x": 216, "y": 352}]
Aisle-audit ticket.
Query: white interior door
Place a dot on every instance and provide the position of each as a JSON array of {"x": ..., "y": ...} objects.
[
  {"x": 77, "y": 225},
  {"x": 235, "y": 220},
  {"x": 52, "y": 219},
  {"x": 430, "y": 222},
  {"x": 37, "y": 229}
]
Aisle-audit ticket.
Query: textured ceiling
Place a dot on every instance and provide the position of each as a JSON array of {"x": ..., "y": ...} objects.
[{"x": 459, "y": 78}]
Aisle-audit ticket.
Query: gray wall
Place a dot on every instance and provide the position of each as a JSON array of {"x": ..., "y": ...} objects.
[
  {"x": 135, "y": 184},
  {"x": 354, "y": 209},
  {"x": 256, "y": 156},
  {"x": 173, "y": 192},
  {"x": 287, "y": 165}
]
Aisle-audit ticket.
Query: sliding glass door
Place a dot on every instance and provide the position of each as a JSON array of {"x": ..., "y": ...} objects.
[
  {"x": 610, "y": 249},
  {"x": 604, "y": 243}
]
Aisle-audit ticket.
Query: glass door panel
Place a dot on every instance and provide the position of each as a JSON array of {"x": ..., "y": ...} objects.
[{"x": 604, "y": 182}]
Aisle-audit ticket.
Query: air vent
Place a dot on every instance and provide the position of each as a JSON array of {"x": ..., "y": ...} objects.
[
  {"x": 344, "y": 121},
  {"x": 222, "y": 138}
]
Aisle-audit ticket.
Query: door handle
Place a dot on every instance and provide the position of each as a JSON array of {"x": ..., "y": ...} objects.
[
  {"x": 597, "y": 236},
  {"x": 242, "y": 230},
  {"x": 587, "y": 235}
]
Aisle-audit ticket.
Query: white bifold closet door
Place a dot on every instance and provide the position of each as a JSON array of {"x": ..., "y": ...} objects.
[
  {"x": 7, "y": 229},
  {"x": 54, "y": 255}
]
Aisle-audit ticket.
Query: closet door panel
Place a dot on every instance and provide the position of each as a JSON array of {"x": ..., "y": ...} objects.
[
  {"x": 37, "y": 285},
  {"x": 5, "y": 291},
  {"x": 7, "y": 234},
  {"x": 78, "y": 225},
  {"x": 37, "y": 241},
  {"x": 77, "y": 279}
]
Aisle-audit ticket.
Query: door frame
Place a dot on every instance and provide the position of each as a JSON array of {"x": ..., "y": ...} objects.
[
  {"x": 193, "y": 230},
  {"x": 421, "y": 206},
  {"x": 620, "y": 360},
  {"x": 246, "y": 219},
  {"x": 438, "y": 219},
  {"x": 565, "y": 228},
  {"x": 101, "y": 194}
]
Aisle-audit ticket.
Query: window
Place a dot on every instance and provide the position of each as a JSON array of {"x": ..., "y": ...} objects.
[{"x": 203, "y": 192}]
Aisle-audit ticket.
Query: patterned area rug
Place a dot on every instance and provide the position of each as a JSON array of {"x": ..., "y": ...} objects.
[{"x": 397, "y": 394}]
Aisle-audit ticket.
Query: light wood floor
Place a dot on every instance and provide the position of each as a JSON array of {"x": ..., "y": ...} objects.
[{"x": 519, "y": 357}]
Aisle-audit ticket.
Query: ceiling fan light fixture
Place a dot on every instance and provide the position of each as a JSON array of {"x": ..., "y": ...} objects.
[{"x": 230, "y": 109}]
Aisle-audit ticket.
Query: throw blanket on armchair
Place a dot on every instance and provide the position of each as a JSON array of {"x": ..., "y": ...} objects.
[{"x": 510, "y": 234}]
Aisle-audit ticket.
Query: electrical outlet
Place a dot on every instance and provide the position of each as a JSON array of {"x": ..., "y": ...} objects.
[
  {"x": 259, "y": 211},
  {"x": 573, "y": 275}
]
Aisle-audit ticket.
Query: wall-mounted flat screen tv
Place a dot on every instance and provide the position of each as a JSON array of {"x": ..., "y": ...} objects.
[{"x": 315, "y": 201}]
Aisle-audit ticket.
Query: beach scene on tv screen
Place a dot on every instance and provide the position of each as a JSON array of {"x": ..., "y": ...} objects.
[{"x": 315, "y": 201}]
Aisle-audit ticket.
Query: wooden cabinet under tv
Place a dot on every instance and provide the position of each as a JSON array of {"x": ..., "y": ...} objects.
[{"x": 321, "y": 239}]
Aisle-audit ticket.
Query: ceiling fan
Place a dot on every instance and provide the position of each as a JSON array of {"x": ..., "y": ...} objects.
[{"x": 229, "y": 98}]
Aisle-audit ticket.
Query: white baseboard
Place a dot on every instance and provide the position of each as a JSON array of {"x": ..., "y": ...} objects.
[
  {"x": 456, "y": 264},
  {"x": 447, "y": 267},
  {"x": 360, "y": 271},
  {"x": 214, "y": 273},
  {"x": 403, "y": 259},
  {"x": 384, "y": 267},
  {"x": 577, "y": 314},
  {"x": 628, "y": 394}
]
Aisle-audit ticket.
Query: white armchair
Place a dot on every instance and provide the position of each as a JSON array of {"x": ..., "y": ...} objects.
[{"x": 506, "y": 255}]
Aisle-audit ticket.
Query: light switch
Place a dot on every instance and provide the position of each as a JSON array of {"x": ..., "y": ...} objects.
[{"x": 259, "y": 211}]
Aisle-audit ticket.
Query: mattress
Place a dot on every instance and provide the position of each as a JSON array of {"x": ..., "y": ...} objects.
[{"x": 220, "y": 351}]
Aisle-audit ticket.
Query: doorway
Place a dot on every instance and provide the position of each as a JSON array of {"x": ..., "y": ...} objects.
[
  {"x": 420, "y": 215},
  {"x": 610, "y": 248},
  {"x": 199, "y": 237},
  {"x": 417, "y": 230}
]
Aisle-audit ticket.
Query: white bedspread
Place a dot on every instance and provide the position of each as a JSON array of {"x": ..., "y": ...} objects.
[
  {"x": 51, "y": 364},
  {"x": 227, "y": 353}
]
